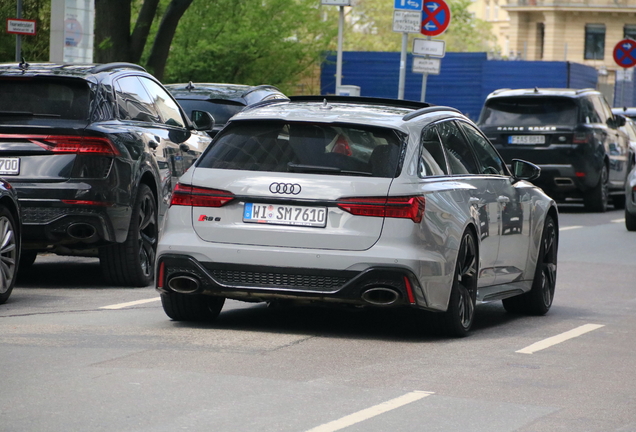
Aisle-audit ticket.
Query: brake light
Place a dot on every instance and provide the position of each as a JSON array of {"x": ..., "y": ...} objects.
[
  {"x": 193, "y": 196},
  {"x": 393, "y": 207},
  {"x": 409, "y": 290},
  {"x": 160, "y": 276},
  {"x": 88, "y": 203},
  {"x": 70, "y": 143},
  {"x": 580, "y": 137}
]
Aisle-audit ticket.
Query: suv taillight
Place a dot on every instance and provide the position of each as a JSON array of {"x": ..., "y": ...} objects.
[
  {"x": 410, "y": 207},
  {"x": 193, "y": 196},
  {"x": 70, "y": 143},
  {"x": 581, "y": 137}
]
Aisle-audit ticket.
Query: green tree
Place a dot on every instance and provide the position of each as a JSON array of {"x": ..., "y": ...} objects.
[
  {"x": 370, "y": 28},
  {"x": 274, "y": 42},
  {"x": 34, "y": 48}
]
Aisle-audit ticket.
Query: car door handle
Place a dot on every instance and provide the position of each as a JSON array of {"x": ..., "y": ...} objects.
[{"x": 503, "y": 199}]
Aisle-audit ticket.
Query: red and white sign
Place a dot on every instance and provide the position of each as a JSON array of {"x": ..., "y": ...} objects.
[
  {"x": 436, "y": 17},
  {"x": 20, "y": 26}
]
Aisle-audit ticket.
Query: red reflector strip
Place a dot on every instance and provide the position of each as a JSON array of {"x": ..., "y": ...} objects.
[
  {"x": 579, "y": 174},
  {"x": 88, "y": 203},
  {"x": 199, "y": 197},
  {"x": 69, "y": 143},
  {"x": 392, "y": 207},
  {"x": 409, "y": 290},
  {"x": 160, "y": 276}
]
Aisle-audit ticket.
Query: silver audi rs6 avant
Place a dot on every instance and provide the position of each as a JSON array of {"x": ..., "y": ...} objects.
[{"x": 358, "y": 201}]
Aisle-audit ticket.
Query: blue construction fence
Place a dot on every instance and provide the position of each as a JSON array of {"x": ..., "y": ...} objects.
[{"x": 464, "y": 81}]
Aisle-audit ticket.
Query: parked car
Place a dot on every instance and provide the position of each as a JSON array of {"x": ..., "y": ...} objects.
[
  {"x": 10, "y": 236},
  {"x": 222, "y": 101},
  {"x": 630, "y": 201},
  {"x": 357, "y": 201},
  {"x": 629, "y": 128},
  {"x": 93, "y": 151},
  {"x": 570, "y": 134}
]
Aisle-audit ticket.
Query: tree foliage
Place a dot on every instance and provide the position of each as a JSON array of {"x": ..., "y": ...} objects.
[
  {"x": 250, "y": 42},
  {"x": 34, "y": 48},
  {"x": 370, "y": 28}
]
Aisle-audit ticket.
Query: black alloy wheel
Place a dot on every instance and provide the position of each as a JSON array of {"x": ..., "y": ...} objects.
[
  {"x": 458, "y": 318},
  {"x": 538, "y": 300},
  {"x": 596, "y": 200},
  {"x": 132, "y": 262},
  {"x": 9, "y": 251}
]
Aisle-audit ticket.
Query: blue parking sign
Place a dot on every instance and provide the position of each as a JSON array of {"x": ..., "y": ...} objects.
[{"x": 414, "y": 5}]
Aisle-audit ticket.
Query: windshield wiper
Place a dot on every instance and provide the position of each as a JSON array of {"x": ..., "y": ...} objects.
[
  {"x": 26, "y": 114},
  {"x": 292, "y": 167}
]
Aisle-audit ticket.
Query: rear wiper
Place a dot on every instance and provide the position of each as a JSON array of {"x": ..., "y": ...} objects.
[
  {"x": 26, "y": 114},
  {"x": 292, "y": 167}
]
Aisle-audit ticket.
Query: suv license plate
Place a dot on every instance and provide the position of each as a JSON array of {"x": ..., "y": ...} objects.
[
  {"x": 526, "y": 139},
  {"x": 9, "y": 166},
  {"x": 285, "y": 215}
]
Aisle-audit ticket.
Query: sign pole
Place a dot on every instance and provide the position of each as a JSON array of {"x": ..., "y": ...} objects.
[
  {"x": 339, "y": 55},
  {"x": 401, "y": 84},
  {"x": 424, "y": 79},
  {"x": 18, "y": 37}
]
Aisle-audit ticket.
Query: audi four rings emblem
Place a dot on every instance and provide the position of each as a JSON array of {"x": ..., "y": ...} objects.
[{"x": 285, "y": 188}]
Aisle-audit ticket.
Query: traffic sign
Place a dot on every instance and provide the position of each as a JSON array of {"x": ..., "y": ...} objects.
[
  {"x": 426, "y": 65},
  {"x": 625, "y": 53},
  {"x": 436, "y": 17},
  {"x": 406, "y": 21},
  {"x": 433, "y": 48},
  {"x": 20, "y": 26},
  {"x": 413, "y": 5}
]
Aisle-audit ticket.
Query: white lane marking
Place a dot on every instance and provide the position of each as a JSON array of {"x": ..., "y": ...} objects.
[
  {"x": 618, "y": 220},
  {"x": 570, "y": 227},
  {"x": 546, "y": 343},
  {"x": 132, "y": 303},
  {"x": 373, "y": 411}
]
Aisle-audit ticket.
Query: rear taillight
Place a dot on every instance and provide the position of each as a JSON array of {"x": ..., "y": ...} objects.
[
  {"x": 199, "y": 197},
  {"x": 70, "y": 143},
  {"x": 581, "y": 137},
  {"x": 393, "y": 207},
  {"x": 161, "y": 275}
]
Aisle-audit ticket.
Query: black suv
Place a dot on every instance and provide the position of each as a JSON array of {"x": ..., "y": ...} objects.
[
  {"x": 93, "y": 151},
  {"x": 222, "y": 101},
  {"x": 571, "y": 134}
]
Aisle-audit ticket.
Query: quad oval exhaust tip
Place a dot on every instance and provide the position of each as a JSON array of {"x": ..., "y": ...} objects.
[
  {"x": 183, "y": 284},
  {"x": 380, "y": 296}
]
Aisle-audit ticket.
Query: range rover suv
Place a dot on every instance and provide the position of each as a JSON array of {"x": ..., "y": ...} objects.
[
  {"x": 570, "y": 134},
  {"x": 93, "y": 152}
]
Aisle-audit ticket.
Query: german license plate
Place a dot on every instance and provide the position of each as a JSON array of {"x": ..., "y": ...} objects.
[
  {"x": 526, "y": 139},
  {"x": 9, "y": 166},
  {"x": 278, "y": 214}
]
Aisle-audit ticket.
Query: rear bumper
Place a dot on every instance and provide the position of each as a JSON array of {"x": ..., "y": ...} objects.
[{"x": 375, "y": 286}]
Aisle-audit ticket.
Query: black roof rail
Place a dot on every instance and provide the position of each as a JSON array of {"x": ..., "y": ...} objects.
[
  {"x": 259, "y": 87},
  {"x": 109, "y": 66},
  {"x": 430, "y": 109},
  {"x": 361, "y": 100}
]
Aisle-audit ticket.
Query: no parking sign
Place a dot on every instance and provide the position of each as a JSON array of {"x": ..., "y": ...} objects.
[
  {"x": 625, "y": 53},
  {"x": 436, "y": 16}
]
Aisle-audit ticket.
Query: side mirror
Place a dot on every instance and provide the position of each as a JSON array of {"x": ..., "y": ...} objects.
[
  {"x": 203, "y": 120},
  {"x": 619, "y": 120},
  {"x": 522, "y": 170}
]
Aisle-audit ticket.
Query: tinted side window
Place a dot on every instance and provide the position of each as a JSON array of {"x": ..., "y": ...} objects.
[
  {"x": 432, "y": 160},
  {"x": 488, "y": 159},
  {"x": 168, "y": 108},
  {"x": 603, "y": 109},
  {"x": 458, "y": 153},
  {"x": 589, "y": 113},
  {"x": 133, "y": 101}
]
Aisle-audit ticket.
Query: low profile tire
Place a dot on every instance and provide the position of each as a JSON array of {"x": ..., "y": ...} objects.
[
  {"x": 596, "y": 200},
  {"x": 184, "y": 307},
  {"x": 132, "y": 262},
  {"x": 9, "y": 251},
  {"x": 458, "y": 318},
  {"x": 27, "y": 258},
  {"x": 630, "y": 221},
  {"x": 538, "y": 300}
]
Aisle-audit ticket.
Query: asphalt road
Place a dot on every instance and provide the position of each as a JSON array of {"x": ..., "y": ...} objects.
[{"x": 78, "y": 355}]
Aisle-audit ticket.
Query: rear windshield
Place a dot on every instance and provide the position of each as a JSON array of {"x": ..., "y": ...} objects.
[
  {"x": 529, "y": 111},
  {"x": 221, "y": 110},
  {"x": 57, "y": 98},
  {"x": 279, "y": 146}
]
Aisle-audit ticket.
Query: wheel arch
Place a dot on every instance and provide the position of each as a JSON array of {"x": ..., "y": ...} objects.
[{"x": 15, "y": 212}]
